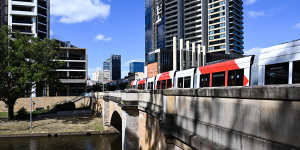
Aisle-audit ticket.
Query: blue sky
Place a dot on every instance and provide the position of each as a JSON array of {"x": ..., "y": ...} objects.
[{"x": 108, "y": 27}]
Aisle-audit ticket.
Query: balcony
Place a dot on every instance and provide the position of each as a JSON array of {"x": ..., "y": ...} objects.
[
  {"x": 22, "y": 20},
  {"x": 23, "y": 3},
  {"x": 22, "y": 29}
]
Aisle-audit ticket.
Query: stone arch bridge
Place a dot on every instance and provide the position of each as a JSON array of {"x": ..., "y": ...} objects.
[{"x": 237, "y": 118}]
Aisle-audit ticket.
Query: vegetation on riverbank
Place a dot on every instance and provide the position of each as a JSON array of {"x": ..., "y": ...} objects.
[
  {"x": 4, "y": 115},
  {"x": 58, "y": 124}
]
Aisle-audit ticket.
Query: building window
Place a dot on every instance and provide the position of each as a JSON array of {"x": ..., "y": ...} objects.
[
  {"x": 222, "y": 35},
  {"x": 211, "y": 32},
  {"x": 180, "y": 83},
  {"x": 187, "y": 82},
  {"x": 222, "y": 46},
  {"x": 204, "y": 80},
  {"x": 236, "y": 77},
  {"x": 211, "y": 27},
  {"x": 277, "y": 74},
  {"x": 211, "y": 37},
  {"x": 218, "y": 79},
  {"x": 296, "y": 72},
  {"x": 222, "y": 24},
  {"x": 222, "y": 19},
  {"x": 222, "y": 30},
  {"x": 211, "y": 48}
]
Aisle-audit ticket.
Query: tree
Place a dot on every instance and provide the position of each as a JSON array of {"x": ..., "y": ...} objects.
[{"x": 24, "y": 61}]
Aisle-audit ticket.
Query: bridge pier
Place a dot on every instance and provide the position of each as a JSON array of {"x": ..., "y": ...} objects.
[
  {"x": 127, "y": 110},
  {"x": 130, "y": 139}
]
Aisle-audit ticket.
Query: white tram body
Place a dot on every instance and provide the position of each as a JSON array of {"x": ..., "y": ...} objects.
[
  {"x": 184, "y": 78},
  {"x": 142, "y": 84},
  {"x": 277, "y": 65},
  {"x": 229, "y": 73},
  {"x": 165, "y": 80},
  {"x": 151, "y": 83},
  {"x": 274, "y": 65},
  {"x": 134, "y": 84}
]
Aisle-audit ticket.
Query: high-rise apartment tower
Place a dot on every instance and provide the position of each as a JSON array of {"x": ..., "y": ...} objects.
[
  {"x": 214, "y": 25},
  {"x": 29, "y": 17}
]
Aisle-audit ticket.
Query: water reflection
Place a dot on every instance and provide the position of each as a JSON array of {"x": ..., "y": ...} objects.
[{"x": 62, "y": 143}]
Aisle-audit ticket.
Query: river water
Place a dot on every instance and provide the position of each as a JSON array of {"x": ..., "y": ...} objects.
[{"x": 94, "y": 142}]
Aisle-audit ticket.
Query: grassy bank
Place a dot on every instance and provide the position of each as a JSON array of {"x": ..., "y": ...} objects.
[
  {"x": 4, "y": 115},
  {"x": 64, "y": 124}
]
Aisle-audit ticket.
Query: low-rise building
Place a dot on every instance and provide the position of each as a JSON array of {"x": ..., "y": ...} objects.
[
  {"x": 73, "y": 74},
  {"x": 98, "y": 76}
]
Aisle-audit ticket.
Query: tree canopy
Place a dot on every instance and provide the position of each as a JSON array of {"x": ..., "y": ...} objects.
[{"x": 24, "y": 61}]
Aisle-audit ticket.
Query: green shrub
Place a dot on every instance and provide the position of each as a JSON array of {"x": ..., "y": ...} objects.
[
  {"x": 65, "y": 107},
  {"x": 22, "y": 114}
]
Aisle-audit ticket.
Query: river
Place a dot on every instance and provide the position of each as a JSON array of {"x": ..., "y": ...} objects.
[{"x": 94, "y": 142}]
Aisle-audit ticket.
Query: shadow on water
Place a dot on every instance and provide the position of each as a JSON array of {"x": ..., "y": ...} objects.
[{"x": 95, "y": 142}]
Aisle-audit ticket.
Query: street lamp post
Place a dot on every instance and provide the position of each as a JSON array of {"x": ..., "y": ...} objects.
[
  {"x": 32, "y": 92},
  {"x": 31, "y": 112}
]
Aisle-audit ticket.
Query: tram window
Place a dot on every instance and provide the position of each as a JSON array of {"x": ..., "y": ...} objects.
[
  {"x": 277, "y": 74},
  {"x": 158, "y": 84},
  {"x": 236, "y": 77},
  {"x": 296, "y": 72},
  {"x": 218, "y": 79},
  {"x": 141, "y": 86},
  {"x": 204, "y": 80},
  {"x": 180, "y": 83},
  {"x": 187, "y": 82},
  {"x": 163, "y": 84},
  {"x": 150, "y": 85},
  {"x": 169, "y": 83}
]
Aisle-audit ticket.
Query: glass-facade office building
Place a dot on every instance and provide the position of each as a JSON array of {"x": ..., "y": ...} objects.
[
  {"x": 136, "y": 67},
  {"x": 148, "y": 29},
  {"x": 112, "y": 68}
]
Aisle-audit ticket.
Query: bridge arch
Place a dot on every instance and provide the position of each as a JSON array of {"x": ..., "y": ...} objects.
[{"x": 116, "y": 121}]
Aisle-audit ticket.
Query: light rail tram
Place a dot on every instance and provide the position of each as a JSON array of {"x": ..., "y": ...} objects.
[{"x": 274, "y": 65}]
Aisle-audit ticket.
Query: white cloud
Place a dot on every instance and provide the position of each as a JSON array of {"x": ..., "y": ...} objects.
[
  {"x": 101, "y": 37},
  {"x": 297, "y": 26},
  {"x": 249, "y": 2},
  {"x": 76, "y": 11},
  {"x": 255, "y": 14},
  {"x": 253, "y": 51}
]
